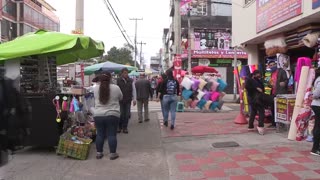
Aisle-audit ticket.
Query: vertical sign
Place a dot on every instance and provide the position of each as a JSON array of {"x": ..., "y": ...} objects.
[{"x": 177, "y": 64}]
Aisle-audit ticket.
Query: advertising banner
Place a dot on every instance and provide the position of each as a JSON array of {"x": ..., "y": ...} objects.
[
  {"x": 273, "y": 12},
  {"x": 177, "y": 64},
  {"x": 215, "y": 53},
  {"x": 197, "y": 7},
  {"x": 315, "y": 4},
  {"x": 211, "y": 39},
  {"x": 284, "y": 109}
]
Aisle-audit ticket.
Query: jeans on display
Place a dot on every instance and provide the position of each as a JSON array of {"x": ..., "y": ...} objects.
[
  {"x": 169, "y": 105},
  {"x": 316, "y": 128},
  {"x": 106, "y": 126}
]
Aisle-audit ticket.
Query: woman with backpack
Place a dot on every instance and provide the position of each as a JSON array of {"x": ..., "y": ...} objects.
[{"x": 170, "y": 90}]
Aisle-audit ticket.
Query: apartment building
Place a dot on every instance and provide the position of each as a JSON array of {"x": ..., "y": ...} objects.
[{"x": 18, "y": 17}]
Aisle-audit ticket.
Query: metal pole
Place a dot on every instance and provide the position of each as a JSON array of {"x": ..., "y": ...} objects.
[
  {"x": 189, "y": 43},
  {"x": 135, "y": 45},
  {"x": 234, "y": 75}
]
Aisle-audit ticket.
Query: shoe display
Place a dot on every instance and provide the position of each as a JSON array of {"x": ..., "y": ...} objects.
[
  {"x": 114, "y": 156},
  {"x": 165, "y": 123}
]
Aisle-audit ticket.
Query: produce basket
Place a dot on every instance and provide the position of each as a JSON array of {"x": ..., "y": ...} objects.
[{"x": 72, "y": 146}]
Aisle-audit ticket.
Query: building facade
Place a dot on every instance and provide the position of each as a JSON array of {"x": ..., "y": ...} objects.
[
  {"x": 23, "y": 16},
  {"x": 256, "y": 21},
  {"x": 209, "y": 36}
]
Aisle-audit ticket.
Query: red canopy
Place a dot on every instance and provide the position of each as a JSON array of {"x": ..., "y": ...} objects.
[{"x": 203, "y": 69}]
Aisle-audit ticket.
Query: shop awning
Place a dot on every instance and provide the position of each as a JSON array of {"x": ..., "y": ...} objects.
[
  {"x": 107, "y": 67},
  {"x": 67, "y": 48}
]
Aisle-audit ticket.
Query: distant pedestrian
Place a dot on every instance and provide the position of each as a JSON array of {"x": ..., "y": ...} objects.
[
  {"x": 153, "y": 87},
  {"x": 169, "y": 89},
  {"x": 315, "y": 105},
  {"x": 143, "y": 88},
  {"x": 128, "y": 89},
  {"x": 106, "y": 114}
]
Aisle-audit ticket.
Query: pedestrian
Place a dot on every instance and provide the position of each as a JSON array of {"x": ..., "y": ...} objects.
[
  {"x": 106, "y": 113},
  {"x": 153, "y": 87},
  {"x": 315, "y": 105},
  {"x": 169, "y": 89},
  {"x": 255, "y": 89},
  {"x": 158, "y": 89},
  {"x": 143, "y": 88},
  {"x": 127, "y": 87}
]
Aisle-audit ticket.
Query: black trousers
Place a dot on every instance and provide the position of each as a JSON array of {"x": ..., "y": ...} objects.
[
  {"x": 316, "y": 128},
  {"x": 254, "y": 111}
]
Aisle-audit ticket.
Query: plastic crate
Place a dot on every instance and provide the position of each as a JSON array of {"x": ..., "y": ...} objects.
[{"x": 69, "y": 148}]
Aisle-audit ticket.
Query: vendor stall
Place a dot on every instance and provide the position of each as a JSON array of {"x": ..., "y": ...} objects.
[{"x": 31, "y": 60}]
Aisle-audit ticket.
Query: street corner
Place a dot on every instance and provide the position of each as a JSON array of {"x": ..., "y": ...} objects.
[{"x": 269, "y": 162}]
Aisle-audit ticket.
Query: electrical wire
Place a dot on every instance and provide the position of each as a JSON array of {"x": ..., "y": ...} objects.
[
  {"x": 117, "y": 23},
  {"x": 119, "y": 20}
]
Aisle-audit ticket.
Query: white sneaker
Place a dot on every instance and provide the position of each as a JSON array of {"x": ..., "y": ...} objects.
[
  {"x": 260, "y": 130},
  {"x": 317, "y": 153}
]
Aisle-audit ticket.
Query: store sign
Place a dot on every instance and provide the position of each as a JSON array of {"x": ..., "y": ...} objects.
[
  {"x": 196, "y": 7},
  {"x": 315, "y": 4},
  {"x": 284, "y": 109},
  {"x": 215, "y": 53},
  {"x": 207, "y": 39},
  {"x": 273, "y": 12},
  {"x": 177, "y": 65}
]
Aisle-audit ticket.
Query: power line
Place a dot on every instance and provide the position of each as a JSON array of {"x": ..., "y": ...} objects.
[
  {"x": 118, "y": 20},
  {"x": 113, "y": 16},
  {"x": 135, "y": 39}
]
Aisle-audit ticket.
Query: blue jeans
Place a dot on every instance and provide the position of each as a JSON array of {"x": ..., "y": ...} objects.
[
  {"x": 162, "y": 108},
  {"x": 106, "y": 125},
  {"x": 169, "y": 105},
  {"x": 125, "y": 114}
]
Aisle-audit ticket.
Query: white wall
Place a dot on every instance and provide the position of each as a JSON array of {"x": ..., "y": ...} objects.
[{"x": 244, "y": 22}]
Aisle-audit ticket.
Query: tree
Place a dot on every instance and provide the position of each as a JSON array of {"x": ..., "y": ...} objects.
[{"x": 120, "y": 55}]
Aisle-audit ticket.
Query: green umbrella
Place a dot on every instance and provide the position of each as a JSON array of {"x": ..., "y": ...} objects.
[
  {"x": 106, "y": 67},
  {"x": 67, "y": 48},
  {"x": 134, "y": 73}
]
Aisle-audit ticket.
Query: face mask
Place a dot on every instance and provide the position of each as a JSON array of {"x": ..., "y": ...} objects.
[{"x": 273, "y": 69}]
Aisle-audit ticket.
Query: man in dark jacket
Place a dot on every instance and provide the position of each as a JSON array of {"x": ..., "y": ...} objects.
[
  {"x": 254, "y": 87},
  {"x": 144, "y": 91},
  {"x": 129, "y": 94}
]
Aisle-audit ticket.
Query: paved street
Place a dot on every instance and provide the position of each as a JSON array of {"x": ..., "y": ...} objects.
[{"x": 152, "y": 151}]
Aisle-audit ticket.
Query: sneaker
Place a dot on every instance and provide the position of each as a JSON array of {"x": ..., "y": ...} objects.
[
  {"x": 99, "y": 155},
  {"x": 260, "y": 130},
  {"x": 172, "y": 127},
  {"x": 250, "y": 129},
  {"x": 114, "y": 156},
  {"x": 272, "y": 126},
  {"x": 140, "y": 121},
  {"x": 165, "y": 123},
  {"x": 146, "y": 120},
  {"x": 315, "y": 153},
  {"x": 119, "y": 130}
]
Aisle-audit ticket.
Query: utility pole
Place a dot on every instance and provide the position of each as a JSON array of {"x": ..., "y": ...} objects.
[
  {"x": 141, "y": 43},
  {"x": 235, "y": 69},
  {"x": 135, "y": 39},
  {"x": 189, "y": 42}
]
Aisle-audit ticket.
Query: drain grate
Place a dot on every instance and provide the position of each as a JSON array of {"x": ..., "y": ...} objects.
[{"x": 225, "y": 144}]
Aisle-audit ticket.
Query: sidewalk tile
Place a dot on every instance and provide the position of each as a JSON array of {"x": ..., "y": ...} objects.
[
  {"x": 302, "y": 159},
  {"x": 255, "y": 170},
  {"x": 189, "y": 167},
  {"x": 184, "y": 156},
  {"x": 294, "y": 167},
  {"x": 214, "y": 173},
  {"x": 241, "y": 178},
  {"x": 285, "y": 176}
]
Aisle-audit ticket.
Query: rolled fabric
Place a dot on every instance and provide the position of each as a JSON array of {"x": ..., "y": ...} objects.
[
  {"x": 207, "y": 95},
  {"x": 186, "y": 83},
  {"x": 222, "y": 85},
  {"x": 202, "y": 83},
  {"x": 186, "y": 94},
  {"x": 215, "y": 96},
  {"x": 214, "y": 105},
  {"x": 200, "y": 94},
  {"x": 195, "y": 84},
  {"x": 207, "y": 105},
  {"x": 215, "y": 85},
  {"x": 194, "y": 103},
  {"x": 222, "y": 94},
  {"x": 208, "y": 85},
  {"x": 201, "y": 103}
]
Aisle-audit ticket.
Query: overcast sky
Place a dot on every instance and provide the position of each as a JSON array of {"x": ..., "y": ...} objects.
[{"x": 98, "y": 22}]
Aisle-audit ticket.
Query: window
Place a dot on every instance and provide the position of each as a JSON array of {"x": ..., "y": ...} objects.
[{"x": 221, "y": 8}]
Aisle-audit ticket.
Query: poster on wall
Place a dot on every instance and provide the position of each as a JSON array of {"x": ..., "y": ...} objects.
[
  {"x": 205, "y": 39},
  {"x": 273, "y": 12},
  {"x": 177, "y": 64},
  {"x": 315, "y": 4},
  {"x": 197, "y": 7}
]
